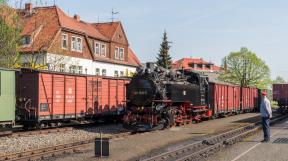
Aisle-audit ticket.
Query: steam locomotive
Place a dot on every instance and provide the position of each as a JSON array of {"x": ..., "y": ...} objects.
[{"x": 158, "y": 98}]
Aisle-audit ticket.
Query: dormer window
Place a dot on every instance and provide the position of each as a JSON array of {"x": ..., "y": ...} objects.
[
  {"x": 116, "y": 53},
  {"x": 76, "y": 44},
  {"x": 97, "y": 48},
  {"x": 103, "y": 50},
  {"x": 121, "y": 53},
  {"x": 26, "y": 40},
  {"x": 64, "y": 41}
]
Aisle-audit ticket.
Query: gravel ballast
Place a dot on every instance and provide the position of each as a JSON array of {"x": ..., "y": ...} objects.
[{"x": 25, "y": 143}]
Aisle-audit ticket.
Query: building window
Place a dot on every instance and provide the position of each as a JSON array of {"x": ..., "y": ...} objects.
[
  {"x": 77, "y": 44},
  {"x": 48, "y": 66},
  {"x": 74, "y": 44},
  {"x": 97, "y": 48},
  {"x": 116, "y": 53},
  {"x": 116, "y": 74},
  {"x": 103, "y": 49},
  {"x": 121, "y": 73},
  {"x": 73, "y": 68},
  {"x": 97, "y": 71},
  {"x": 62, "y": 67},
  {"x": 104, "y": 72},
  {"x": 121, "y": 53},
  {"x": 26, "y": 40},
  {"x": 64, "y": 41},
  {"x": 79, "y": 69}
]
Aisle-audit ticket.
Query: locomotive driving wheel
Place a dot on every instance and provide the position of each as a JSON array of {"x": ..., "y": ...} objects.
[{"x": 170, "y": 118}]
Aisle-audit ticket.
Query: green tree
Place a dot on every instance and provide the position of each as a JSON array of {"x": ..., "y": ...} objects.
[
  {"x": 9, "y": 36},
  {"x": 164, "y": 58},
  {"x": 279, "y": 80},
  {"x": 244, "y": 68}
]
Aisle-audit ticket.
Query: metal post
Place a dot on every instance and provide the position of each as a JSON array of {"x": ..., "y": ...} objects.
[{"x": 101, "y": 146}]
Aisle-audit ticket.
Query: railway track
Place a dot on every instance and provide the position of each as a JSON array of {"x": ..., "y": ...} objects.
[
  {"x": 201, "y": 149},
  {"x": 34, "y": 132},
  {"x": 41, "y": 153},
  {"x": 52, "y": 151}
]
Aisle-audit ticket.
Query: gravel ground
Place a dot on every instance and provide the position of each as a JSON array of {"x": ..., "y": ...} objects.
[
  {"x": 145, "y": 144},
  {"x": 18, "y": 144}
]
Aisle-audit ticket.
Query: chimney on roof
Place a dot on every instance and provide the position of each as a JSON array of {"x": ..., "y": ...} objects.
[
  {"x": 28, "y": 7},
  {"x": 77, "y": 17}
]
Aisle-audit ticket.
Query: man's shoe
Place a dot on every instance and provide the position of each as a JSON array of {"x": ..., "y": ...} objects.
[{"x": 265, "y": 141}]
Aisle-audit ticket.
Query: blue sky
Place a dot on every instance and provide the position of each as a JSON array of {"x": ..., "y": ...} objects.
[{"x": 209, "y": 29}]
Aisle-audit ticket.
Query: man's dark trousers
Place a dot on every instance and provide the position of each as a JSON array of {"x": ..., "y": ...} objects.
[{"x": 266, "y": 128}]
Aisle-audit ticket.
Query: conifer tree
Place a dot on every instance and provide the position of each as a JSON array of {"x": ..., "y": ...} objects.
[{"x": 164, "y": 58}]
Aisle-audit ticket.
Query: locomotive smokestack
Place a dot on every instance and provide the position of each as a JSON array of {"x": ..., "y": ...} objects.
[{"x": 150, "y": 65}]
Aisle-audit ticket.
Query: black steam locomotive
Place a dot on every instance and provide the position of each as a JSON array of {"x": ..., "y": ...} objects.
[{"x": 158, "y": 98}]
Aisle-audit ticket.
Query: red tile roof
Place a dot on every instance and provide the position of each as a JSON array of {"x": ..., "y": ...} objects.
[
  {"x": 108, "y": 29},
  {"x": 31, "y": 24},
  {"x": 187, "y": 62},
  {"x": 132, "y": 58},
  {"x": 81, "y": 26}
]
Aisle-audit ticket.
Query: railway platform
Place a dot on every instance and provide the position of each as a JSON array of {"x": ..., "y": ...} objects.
[
  {"x": 137, "y": 146},
  {"x": 252, "y": 149}
]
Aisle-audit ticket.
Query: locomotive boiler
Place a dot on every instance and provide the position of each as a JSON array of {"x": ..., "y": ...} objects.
[{"x": 158, "y": 98}]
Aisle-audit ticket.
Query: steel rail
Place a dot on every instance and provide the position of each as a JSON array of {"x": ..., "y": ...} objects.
[{"x": 207, "y": 146}]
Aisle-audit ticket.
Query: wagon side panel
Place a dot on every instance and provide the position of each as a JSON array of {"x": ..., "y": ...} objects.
[
  {"x": 80, "y": 103},
  {"x": 58, "y": 96},
  {"x": 45, "y": 107},
  {"x": 7, "y": 96}
]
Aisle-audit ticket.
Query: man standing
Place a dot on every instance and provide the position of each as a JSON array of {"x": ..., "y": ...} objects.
[{"x": 266, "y": 114}]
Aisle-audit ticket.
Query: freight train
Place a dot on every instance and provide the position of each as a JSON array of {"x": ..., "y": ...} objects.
[
  {"x": 37, "y": 99},
  {"x": 158, "y": 98}
]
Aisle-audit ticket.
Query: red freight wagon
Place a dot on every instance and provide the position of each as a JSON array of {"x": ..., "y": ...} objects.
[
  {"x": 280, "y": 94},
  {"x": 45, "y": 97},
  {"x": 249, "y": 98},
  {"x": 224, "y": 98}
]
